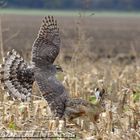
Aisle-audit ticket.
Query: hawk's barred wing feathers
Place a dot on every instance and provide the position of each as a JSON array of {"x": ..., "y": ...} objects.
[{"x": 47, "y": 45}]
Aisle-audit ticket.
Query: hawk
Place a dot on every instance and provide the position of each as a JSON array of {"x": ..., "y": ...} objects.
[{"x": 18, "y": 76}]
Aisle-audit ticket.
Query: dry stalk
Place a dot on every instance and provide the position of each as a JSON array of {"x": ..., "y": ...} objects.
[{"x": 1, "y": 40}]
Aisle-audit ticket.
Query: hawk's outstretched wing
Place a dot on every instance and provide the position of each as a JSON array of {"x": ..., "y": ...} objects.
[
  {"x": 16, "y": 77},
  {"x": 53, "y": 92},
  {"x": 46, "y": 47},
  {"x": 44, "y": 52}
]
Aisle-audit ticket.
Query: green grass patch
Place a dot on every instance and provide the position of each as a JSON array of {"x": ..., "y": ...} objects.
[{"x": 67, "y": 13}]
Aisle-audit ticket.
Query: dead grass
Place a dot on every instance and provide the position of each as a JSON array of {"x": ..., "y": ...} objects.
[{"x": 89, "y": 60}]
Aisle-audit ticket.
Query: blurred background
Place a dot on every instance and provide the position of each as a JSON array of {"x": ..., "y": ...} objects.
[
  {"x": 75, "y": 4},
  {"x": 99, "y": 28}
]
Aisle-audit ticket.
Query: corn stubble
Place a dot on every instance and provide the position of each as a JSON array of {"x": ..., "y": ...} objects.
[{"x": 119, "y": 121}]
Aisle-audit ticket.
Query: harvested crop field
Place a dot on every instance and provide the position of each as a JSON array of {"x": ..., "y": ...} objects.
[{"x": 97, "y": 52}]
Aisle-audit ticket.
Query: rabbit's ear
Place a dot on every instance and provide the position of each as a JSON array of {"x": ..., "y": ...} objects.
[
  {"x": 97, "y": 93},
  {"x": 100, "y": 94}
]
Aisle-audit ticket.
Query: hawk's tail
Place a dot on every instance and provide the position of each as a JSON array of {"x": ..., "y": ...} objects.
[{"x": 16, "y": 77}]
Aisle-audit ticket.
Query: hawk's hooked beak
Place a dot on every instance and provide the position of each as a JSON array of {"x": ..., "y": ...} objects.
[{"x": 59, "y": 68}]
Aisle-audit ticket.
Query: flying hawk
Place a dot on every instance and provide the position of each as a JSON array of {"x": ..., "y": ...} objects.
[{"x": 18, "y": 76}]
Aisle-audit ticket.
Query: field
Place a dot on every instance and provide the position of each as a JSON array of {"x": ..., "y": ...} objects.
[{"x": 97, "y": 51}]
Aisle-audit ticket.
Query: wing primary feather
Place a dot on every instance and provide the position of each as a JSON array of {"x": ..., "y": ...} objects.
[{"x": 47, "y": 44}]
